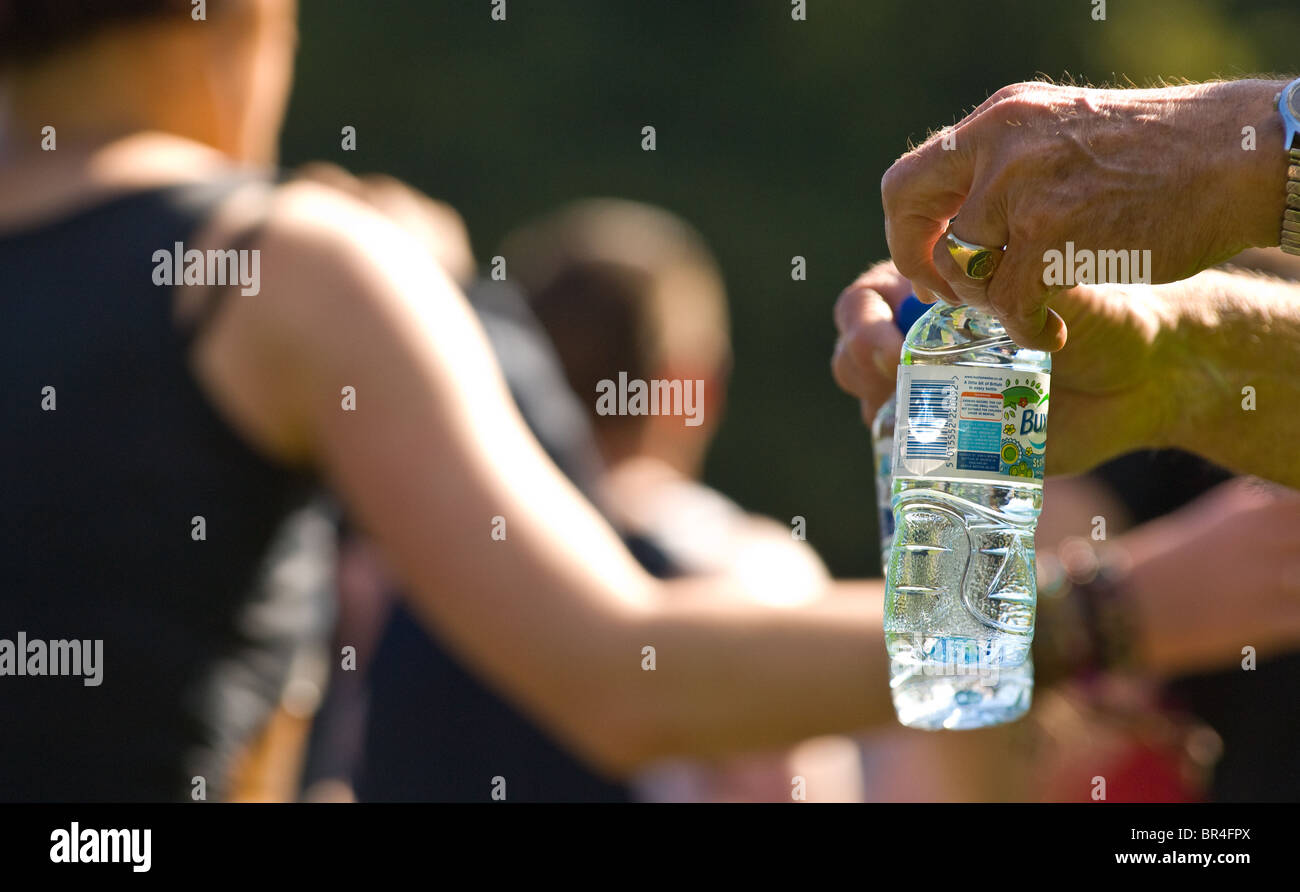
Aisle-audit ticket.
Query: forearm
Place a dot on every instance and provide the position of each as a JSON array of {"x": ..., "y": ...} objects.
[
  {"x": 1167, "y": 637},
  {"x": 732, "y": 675},
  {"x": 1235, "y": 363}
]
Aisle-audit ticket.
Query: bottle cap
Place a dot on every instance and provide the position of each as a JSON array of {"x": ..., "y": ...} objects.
[{"x": 908, "y": 312}]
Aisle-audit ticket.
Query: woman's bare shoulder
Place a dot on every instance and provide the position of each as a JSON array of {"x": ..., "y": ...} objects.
[{"x": 329, "y": 272}]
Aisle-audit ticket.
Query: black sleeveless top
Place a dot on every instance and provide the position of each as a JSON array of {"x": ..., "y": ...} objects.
[{"x": 109, "y": 451}]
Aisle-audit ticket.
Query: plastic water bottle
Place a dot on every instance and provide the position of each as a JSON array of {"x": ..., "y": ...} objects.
[
  {"x": 969, "y": 444},
  {"x": 882, "y": 438}
]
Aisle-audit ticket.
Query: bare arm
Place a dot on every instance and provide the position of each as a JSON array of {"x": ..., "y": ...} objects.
[
  {"x": 1214, "y": 577},
  {"x": 1236, "y": 355},
  {"x": 555, "y": 615}
]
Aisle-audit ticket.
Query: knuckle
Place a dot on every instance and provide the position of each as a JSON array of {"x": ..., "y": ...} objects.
[
  {"x": 891, "y": 185},
  {"x": 896, "y": 181},
  {"x": 884, "y": 269},
  {"x": 1015, "y": 109},
  {"x": 1009, "y": 91},
  {"x": 1002, "y": 299},
  {"x": 1031, "y": 225}
]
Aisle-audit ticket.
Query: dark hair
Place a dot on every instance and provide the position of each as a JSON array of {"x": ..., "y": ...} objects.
[
  {"x": 598, "y": 316},
  {"x": 30, "y": 29},
  {"x": 604, "y": 277}
]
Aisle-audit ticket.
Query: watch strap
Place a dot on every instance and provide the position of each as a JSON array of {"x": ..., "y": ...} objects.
[
  {"x": 1290, "y": 235},
  {"x": 1291, "y": 216}
]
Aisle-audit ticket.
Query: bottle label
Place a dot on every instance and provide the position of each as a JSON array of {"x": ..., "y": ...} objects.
[{"x": 955, "y": 421}]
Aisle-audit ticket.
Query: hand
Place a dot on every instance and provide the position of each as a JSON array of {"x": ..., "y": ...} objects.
[
  {"x": 435, "y": 224},
  {"x": 1217, "y": 575},
  {"x": 1038, "y": 165},
  {"x": 865, "y": 361},
  {"x": 1110, "y": 385}
]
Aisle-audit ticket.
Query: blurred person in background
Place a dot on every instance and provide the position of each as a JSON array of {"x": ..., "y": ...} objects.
[
  {"x": 193, "y": 418},
  {"x": 627, "y": 289},
  {"x": 432, "y": 730}
]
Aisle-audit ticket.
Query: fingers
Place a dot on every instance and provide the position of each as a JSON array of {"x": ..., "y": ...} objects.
[
  {"x": 923, "y": 193},
  {"x": 1022, "y": 309},
  {"x": 865, "y": 360},
  {"x": 911, "y": 239},
  {"x": 885, "y": 280},
  {"x": 329, "y": 175},
  {"x": 861, "y": 306},
  {"x": 972, "y": 292},
  {"x": 981, "y": 222},
  {"x": 436, "y": 225},
  {"x": 857, "y": 373},
  {"x": 920, "y": 193}
]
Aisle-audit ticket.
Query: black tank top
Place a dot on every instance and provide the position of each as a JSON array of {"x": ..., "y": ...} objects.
[{"x": 101, "y": 479}]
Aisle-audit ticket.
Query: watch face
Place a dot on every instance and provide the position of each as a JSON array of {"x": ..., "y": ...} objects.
[{"x": 1293, "y": 100}]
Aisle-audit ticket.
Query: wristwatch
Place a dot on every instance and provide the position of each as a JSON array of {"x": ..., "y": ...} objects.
[{"x": 1288, "y": 103}]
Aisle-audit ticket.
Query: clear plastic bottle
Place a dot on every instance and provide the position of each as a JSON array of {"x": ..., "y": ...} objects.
[
  {"x": 970, "y": 435},
  {"x": 882, "y": 438}
]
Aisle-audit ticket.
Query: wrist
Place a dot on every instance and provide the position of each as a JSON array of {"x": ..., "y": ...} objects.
[
  {"x": 1250, "y": 179},
  {"x": 1086, "y": 622}
]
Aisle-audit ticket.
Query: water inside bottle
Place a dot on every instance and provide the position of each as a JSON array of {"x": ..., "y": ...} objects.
[{"x": 966, "y": 494}]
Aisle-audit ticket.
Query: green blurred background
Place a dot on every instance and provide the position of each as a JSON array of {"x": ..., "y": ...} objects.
[{"x": 772, "y": 136}]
